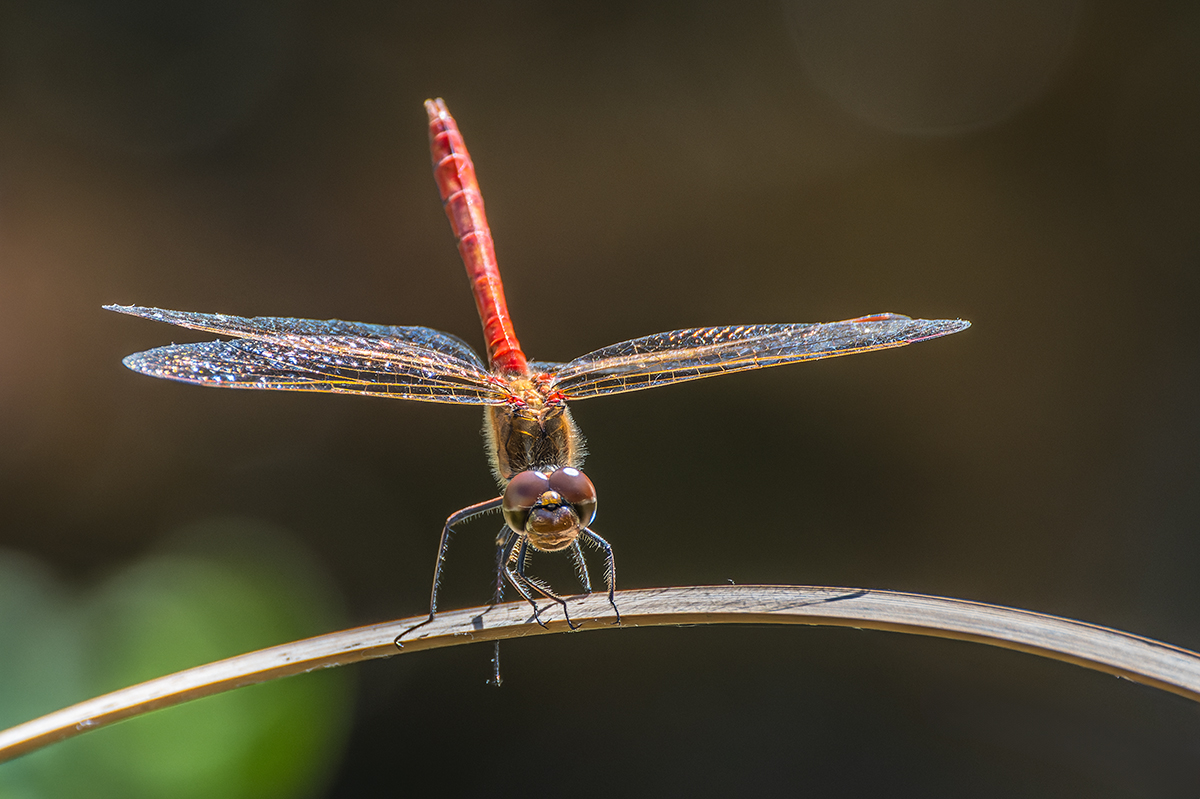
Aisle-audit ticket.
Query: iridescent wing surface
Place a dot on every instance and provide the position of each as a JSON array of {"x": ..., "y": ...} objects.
[
  {"x": 416, "y": 363},
  {"x": 690, "y": 354}
]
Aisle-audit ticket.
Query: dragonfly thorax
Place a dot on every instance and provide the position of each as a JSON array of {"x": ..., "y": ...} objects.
[{"x": 531, "y": 432}]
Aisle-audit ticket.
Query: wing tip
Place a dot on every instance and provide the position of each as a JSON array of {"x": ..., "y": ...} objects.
[
  {"x": 936, "y": 328},
  {"x": 136, "y": 310},
  {"x": 137, "y": 362}
]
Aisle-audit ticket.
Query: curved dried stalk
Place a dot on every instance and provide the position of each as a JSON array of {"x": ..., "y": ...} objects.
[{"x": 1139, "y": 659}]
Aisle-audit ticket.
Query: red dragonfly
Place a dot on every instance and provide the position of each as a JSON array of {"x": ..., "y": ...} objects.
[{"x": 534, "y": 446}]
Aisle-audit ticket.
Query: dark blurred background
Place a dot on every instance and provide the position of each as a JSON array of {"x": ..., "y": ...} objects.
[{"x": 1032, "y": 166}]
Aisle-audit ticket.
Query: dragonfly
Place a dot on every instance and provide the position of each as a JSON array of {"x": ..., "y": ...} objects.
[{"x": 535, "y": 448}]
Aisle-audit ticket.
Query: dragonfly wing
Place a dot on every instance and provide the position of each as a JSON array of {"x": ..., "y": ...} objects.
[
  {"x": 313, "y": 355},
  {"x": 316, "y": 334},
  {"x": 246, "y": 363},
  {"x": 681, "y": 355},
  {"x": 545, "y": 368}
]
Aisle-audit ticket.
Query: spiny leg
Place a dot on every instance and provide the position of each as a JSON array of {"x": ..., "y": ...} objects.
[
  {"x": 518, "y": 580},
  {"x": 536, "y": 583},
  {"x": 610, "y": 567},
  {"x": 506, "y": 540},
  {"x": 543, "y": 588},
  {"x": 518, "y": 577},
  {"x": 478, "y": 509},
  {"x": 581, "y": 568}
]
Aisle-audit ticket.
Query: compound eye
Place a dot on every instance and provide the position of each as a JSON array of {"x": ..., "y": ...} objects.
[
  {"x": 524, "y": 489},
  {"x": 522, "y": 493},
  {"x": 575, "y": 487}
]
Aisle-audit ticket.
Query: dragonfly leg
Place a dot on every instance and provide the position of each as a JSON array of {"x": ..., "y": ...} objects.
[
  {"x": 523, "y": 583},
  {"x": 610, "y": 567},
  {"x": 478, "y": 509},
  {"x": 495, "y": 679},
  {"x": 542, "y": 587},
  {"x": 517, "y": 577},
  {"x": 506, "y": 541},
  {"x": 581, "y": 567}
]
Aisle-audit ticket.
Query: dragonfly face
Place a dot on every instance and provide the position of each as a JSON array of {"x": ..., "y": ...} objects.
[{"x": 550, "y": 508}]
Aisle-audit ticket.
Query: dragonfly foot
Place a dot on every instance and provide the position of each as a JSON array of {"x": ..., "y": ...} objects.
[
  {"x": 570, "y": 624},
  {"x": 537, "y": 615},
  {"x": 409, "y": 630}
]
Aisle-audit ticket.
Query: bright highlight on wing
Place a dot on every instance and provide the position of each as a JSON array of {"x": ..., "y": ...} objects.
[
  {"x": 416, "y": 363},
  {"x": 690, "y": 354}
]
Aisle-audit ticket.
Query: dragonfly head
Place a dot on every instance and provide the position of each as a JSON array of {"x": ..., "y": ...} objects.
[{"x": 550, "y": 507}]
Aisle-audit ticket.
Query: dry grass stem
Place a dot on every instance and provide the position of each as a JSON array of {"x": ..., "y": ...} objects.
[{"x": 1139, "y": 659}]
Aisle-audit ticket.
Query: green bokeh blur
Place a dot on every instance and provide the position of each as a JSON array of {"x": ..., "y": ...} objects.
[{"x": 215, "y": 590}]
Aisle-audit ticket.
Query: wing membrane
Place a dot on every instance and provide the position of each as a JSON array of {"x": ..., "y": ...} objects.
[
  {"x": 416, "y": 363},
  {"x": 333, "y": 334},
  {"x": 690, "y": 354}
]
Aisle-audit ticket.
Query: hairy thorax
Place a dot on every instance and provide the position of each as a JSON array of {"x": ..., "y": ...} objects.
[{"x": 533, "y": 430}]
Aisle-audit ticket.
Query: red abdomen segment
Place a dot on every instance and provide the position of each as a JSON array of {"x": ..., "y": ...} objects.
[{"x": 455, "y": 176}]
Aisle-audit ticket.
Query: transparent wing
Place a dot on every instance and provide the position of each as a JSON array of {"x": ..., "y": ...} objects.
[
  {"x": 316, "y": 333},
  {"x": 415, "y": 363},
  {"x": 545, "y": 367},
  {"x": 681, "y": 355}
]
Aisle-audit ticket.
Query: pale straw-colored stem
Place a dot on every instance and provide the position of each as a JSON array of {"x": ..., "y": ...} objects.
[{"x": 1133, "y": 657}]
